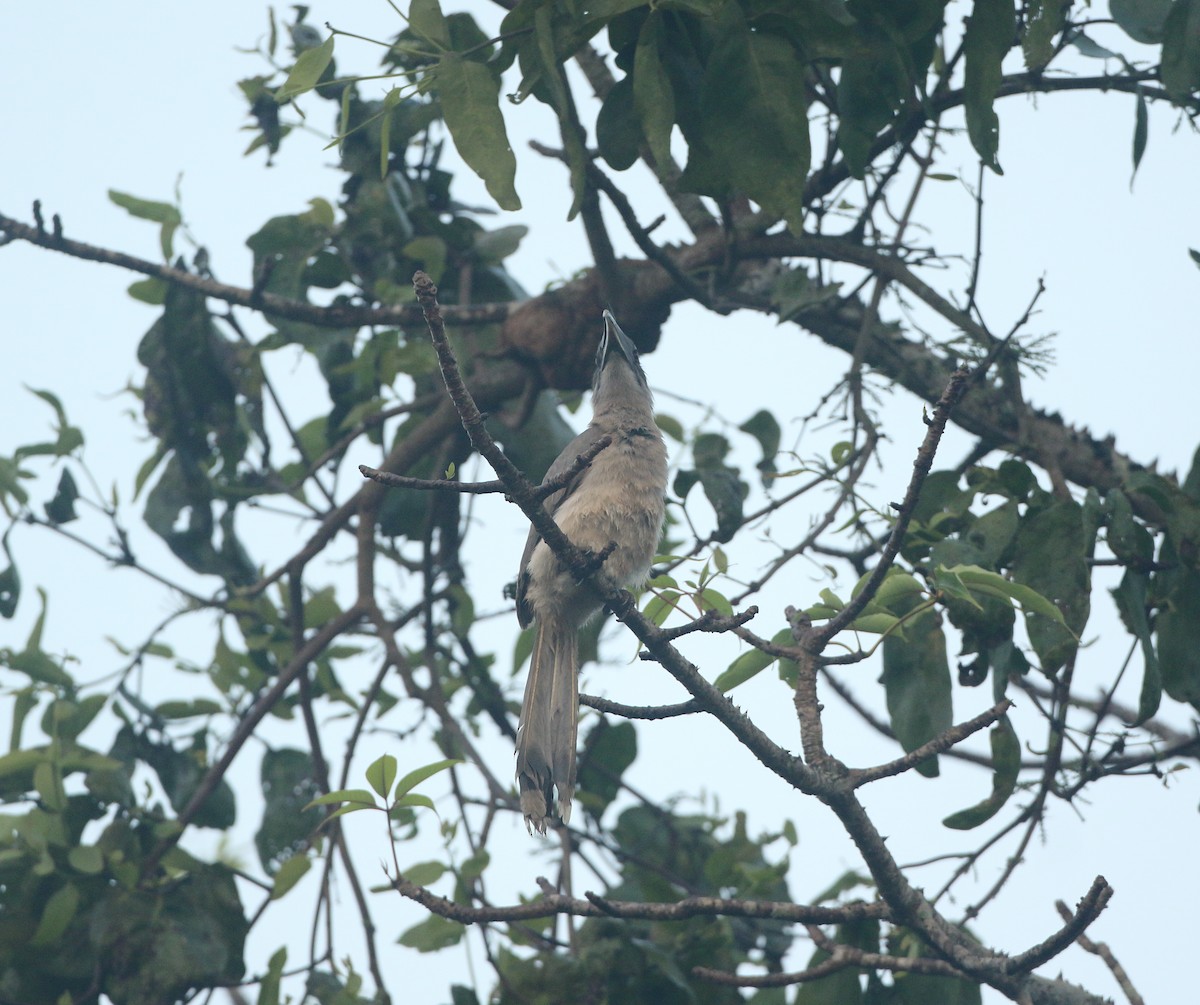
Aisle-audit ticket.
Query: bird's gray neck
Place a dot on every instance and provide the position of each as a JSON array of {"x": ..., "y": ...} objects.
[{"x": 621, "y": 400}]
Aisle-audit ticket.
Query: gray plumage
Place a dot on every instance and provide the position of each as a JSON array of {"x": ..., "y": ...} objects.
[{"x": 618, "y": 499}]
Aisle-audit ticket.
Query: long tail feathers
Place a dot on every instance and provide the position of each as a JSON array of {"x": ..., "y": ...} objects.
[{"x": 547, "y": 733}]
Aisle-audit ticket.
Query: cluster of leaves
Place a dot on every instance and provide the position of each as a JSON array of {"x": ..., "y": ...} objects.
[
  {"x": 738, "y": 78},
  {"x": 91, "y": 903}
]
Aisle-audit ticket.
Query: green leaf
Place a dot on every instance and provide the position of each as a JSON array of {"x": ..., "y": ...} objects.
[
  {"x": 1180, "y": 70},
  {"x": 289, "y": 874},
  {"x": 187, "y": 709},
  {"x": 357, "y": 798},
  {"x": 1141, "y": 133},
  {"x": 1043, "y": 20},
  {"x": 608, "y": 752},
  {"x": 268, "y": 989},
  {"x": 380, "y": 775},
  {"x": 661, "y": 606},
  {"x": 653, "y": 97},
  {"x": 473, "y": 867},
  {"x": 991, "y": 29},
  {"x": 618, "y": 134},
  {"x": 307, "y": 71},
  {"x": 157, "y": 212},
  {"x": 61, "y": 509},
  {"x": 748, "y": 665},
  {"x": 390, "y": 101},
  {"x": 414, "y": 778},
  {"x": 425, "y": 873},
  {"x": 755, "y": 118},
  {"x": 726, "y": 493},
  {"x": 470, "y": 96},
  {"x": 56, "y": 915},
  {"x": 432, "y": 934},
  {"x": 1178, "y": 627},
  {"x": 1130, "y": 597},
  {"x": 992, "y": 584},
  {"x": 428, "y": 23},
  {"x": 491, "y": 247},
  {"x": 916, "y": 681},
  {"x": 288, "y": 783},
  {"x": 410, "y": 800},
  {"x": 87, "y": 859},
  {"x": 1142, "y": 20},
  {"x": 670, "y": 426},
  {"x": 1052, "y": 549},
  {"x": 1006, "y": 763},
  {"x": 10, "y": 586},
  {"x": 149, "y": 291}
]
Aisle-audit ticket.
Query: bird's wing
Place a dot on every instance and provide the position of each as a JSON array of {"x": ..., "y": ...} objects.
[{"x": 562, "y": 462}]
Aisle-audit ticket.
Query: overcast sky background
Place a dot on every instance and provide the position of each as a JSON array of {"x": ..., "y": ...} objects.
[{"x": 131, "y": 95}]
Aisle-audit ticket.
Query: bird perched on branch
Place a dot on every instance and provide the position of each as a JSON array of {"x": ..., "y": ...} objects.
[{"x": 613, "y": 506}]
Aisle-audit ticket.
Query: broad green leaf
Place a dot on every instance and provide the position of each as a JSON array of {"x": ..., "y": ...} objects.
[
  {"x": 1006, "y": 763},
  {"x": 425, "y": 873},
  {"x": 1052, "y": 550},
  {"x": 993, "y": 584},
  {"x": 411, "y": 800},
  {"x": 916, "y": 681},
  {"x": 414, "y": 778},
  {"x": 872, "y": 84},
  {"x": 473, "y": 867},
  {"x": 380, "y": 775},
  {"x": 1142, "y": 20},
  {"x": 948, "y": 582},
  {"x": 1180, "y": 71},
  {"x": 470, "y": 96},
  {"x": 309, "y": 67},
  {"x": 1130, "y": 597},
  {"x": 428, "y": 23},
  {"x": 878, "y": 623},
  {"x": 608, "y": 751},
  {"x": 187, "y": 709},
  {"x": 289, "y": 874},
  {"x": 618, "y": 134},
  {"x": 86, "y": 858},
  {"x": 755, "y": 116},
  {"x": 287, "y": 780},
  {"x": 653, "y": 97},
  {"x": 493, "y": 246},
  {"x": 991, "y": 29},
  {"x": 61, "y": 509},
  {"x": 432, "y": 934},
  {"x": 748, "y": 665},
  {"x": 1178, "y": 627},
  {"x": 726, "y": 493},
  {"x": 56, "y": 915},
  {"x": 149, "y": 291},
  {"x": 709, "y": 599}
]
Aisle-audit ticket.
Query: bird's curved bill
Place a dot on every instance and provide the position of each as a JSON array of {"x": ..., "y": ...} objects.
[{"x": 615, "y": 338}]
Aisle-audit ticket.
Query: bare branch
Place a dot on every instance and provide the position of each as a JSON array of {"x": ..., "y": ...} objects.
[
  {"x": 939, "y": 744},
  {"x": 594, "y": 906}
]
